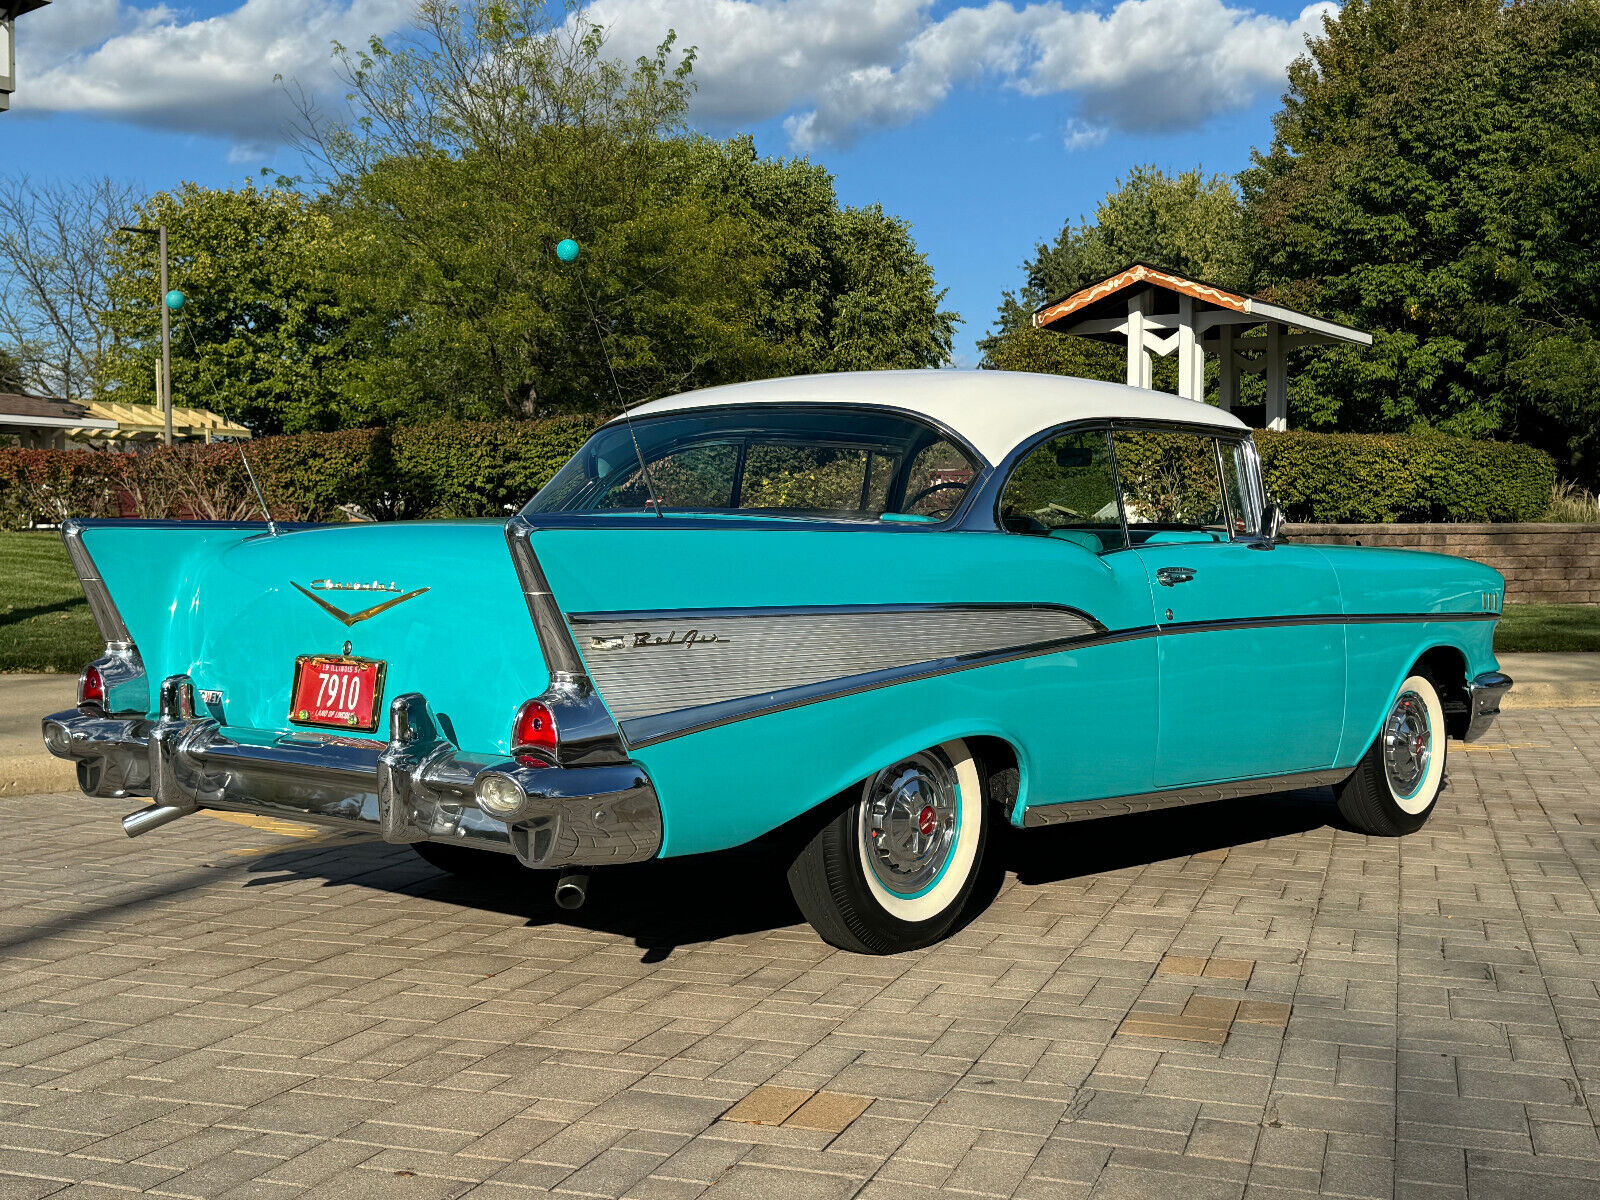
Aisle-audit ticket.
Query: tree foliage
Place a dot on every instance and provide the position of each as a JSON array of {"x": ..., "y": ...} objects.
[
  {"x": 1434, "y": 176},
  {"x": 262, "y": 336},
  {"x": 1191, "y": 223}
]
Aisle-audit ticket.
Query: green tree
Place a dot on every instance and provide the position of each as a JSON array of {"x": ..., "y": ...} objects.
[
  {"x": 262, "y": 336},
  {"x": 493, "y": 133},
  {"x": 1434, "y": 177},
  {"x": 1191, "y": 223},
  {"x": 837, "y": 289}
]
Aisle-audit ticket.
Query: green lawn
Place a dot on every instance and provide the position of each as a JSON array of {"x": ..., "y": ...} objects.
[
  {"x": 1548, "y": 627},
  {"x": 45, "y": 624}
]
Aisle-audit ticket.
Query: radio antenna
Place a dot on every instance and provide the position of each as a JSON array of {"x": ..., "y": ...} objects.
[
  {"x": 567, "y": 251},
  {"x": 272, "y": 526}
]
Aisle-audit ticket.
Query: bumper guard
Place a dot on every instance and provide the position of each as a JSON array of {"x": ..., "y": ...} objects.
[
  {"x": 416, "y": 787},
  {"x": 1483, "y": 703}
]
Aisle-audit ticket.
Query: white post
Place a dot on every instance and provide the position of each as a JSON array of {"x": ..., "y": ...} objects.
[
  {"x": 1188, "y": 350},
  {"x": 1277, "y": 379},
  {"x": 1136, "y": 354},
  {"x": 1228, "y": 376}
]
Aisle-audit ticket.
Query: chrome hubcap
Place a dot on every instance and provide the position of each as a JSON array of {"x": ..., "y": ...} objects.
[
  {"x": 1407, "y": 744},
  {"x": 909, "y": 822}
]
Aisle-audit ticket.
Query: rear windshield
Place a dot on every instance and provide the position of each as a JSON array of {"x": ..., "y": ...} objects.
[{"x": 817, "y": 461}]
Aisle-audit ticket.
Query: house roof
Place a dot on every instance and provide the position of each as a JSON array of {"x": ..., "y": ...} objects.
[
  {"x": 995, "y": 411},
  {"x": 18, "y": 409},
  {"x": 1103, "y": 299}
]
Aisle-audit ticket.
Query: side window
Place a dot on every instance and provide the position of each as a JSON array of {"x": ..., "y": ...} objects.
[
  {"x": 1235, "y": 476},
  {"x": 1064, "y": 489},
  {"x": 699, "y": 476},
  {"x": 815, "y": 478},
  {"x": 937, "y": 482},
  {"x": 1170, "y": 486}
]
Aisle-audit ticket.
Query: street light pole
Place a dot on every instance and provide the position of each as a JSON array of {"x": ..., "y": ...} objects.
[
  {"x": 166, "y": 338},
  {"x": 160, "y": 234}
]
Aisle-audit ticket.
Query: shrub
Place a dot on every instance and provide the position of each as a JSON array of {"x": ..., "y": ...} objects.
[
  {"x": 444, "y": 469},
  {"x": 1352, "y": 477}
]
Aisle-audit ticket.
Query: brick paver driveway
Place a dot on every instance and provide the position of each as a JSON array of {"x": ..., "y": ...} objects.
[{"x": 1241, "y": 999}]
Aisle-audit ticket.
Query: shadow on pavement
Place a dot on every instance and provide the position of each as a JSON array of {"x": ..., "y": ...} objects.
[{"x": 663, "y": 905}]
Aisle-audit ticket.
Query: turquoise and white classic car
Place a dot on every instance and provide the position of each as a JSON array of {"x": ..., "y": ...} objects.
[{"x": 864, "y": 618}]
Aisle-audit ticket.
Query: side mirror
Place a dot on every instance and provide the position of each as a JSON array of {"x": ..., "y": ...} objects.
[{"x": 1271, "y": 521}]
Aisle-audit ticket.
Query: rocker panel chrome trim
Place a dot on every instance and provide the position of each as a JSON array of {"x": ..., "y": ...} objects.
[{"x": 1039, "y": 815}]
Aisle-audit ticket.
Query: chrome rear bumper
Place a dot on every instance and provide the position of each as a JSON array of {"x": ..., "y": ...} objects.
[
  {"x": 416, "y": 787},
  {"x": 1483, "y": 703}
]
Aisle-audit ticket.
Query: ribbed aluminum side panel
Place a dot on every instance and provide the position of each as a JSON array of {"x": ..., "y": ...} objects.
[{"x": 756, "y": 654}]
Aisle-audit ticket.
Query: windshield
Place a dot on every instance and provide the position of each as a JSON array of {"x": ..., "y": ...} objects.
[{"x": 817, "y": 461}]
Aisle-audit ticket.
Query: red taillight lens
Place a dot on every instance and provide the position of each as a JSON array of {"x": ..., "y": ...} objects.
[
  {"x": 91, "y": 687},
  {"x": 534, "y": 729}
]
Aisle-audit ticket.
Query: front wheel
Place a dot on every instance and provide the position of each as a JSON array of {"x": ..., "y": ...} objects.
[
  {"x": 893, "y": 869},
  {"x": 1397, "y": 783}
]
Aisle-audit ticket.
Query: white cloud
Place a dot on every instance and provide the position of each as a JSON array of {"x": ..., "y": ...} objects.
[
  {"x": 832, "y": 69},
  {"x": 153, "y": 66},
  {"x": 841, "y": 68}
]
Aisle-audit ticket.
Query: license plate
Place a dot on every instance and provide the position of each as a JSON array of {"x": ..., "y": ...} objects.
[{"x": 336, "y": 692}]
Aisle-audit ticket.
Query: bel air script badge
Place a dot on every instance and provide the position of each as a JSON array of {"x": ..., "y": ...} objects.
[{"x": 692, "y": 637}]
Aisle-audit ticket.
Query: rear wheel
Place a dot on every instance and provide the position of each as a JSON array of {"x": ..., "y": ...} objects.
[
  {"x": 1397, "y": 783},
  {"x": 894, "y": 868}
]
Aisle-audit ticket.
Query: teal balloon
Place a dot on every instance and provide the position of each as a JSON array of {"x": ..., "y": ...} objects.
[
  {"x": 567, "y": 250},
  {"x": 174, "y": 299}
]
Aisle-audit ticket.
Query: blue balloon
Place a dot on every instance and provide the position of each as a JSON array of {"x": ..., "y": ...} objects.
[
  {"x": 175, "y": 299},
  {"x": 567, "y": 250}
]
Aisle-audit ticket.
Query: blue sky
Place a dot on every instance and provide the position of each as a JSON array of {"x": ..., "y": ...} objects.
[{"x": 984, "y": 125}]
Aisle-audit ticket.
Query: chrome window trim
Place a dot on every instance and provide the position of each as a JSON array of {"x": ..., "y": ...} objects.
[
  {"x": 955, "y": 520},
  {"x": 1007, "y": 467}
]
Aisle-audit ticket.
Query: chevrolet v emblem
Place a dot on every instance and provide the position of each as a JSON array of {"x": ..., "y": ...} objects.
[{"x": 339, "y": 614}]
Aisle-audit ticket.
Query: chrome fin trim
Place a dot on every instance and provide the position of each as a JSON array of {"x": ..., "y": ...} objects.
[
  {"x": 101, "y": 606},
  {"x": 1040, "y": 815}
]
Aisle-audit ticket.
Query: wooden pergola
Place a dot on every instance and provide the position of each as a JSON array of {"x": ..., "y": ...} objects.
[{"x": 1153, "y": 312}]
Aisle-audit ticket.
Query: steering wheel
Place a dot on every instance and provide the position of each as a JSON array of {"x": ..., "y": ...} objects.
[{"x": 910, "y": 504}]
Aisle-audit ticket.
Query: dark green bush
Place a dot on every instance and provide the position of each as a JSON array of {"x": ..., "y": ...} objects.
[
  {"x": 1357, "y": 477},
  {"x": 444, "y": 469}
]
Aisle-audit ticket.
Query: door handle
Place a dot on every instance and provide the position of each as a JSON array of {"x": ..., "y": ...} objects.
[{"x": 1171, "y": 576}]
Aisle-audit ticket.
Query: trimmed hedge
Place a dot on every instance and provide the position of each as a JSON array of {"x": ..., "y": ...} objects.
[
  {"x": 1388, "y": 477},
  {"x": 442, "y": 469},
  {"x": 477, "y": 469}
]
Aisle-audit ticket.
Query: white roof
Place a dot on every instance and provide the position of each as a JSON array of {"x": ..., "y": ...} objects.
[{"x": 993, "y": 410}]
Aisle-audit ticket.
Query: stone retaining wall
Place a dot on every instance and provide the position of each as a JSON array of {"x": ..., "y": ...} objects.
[{"x": 1543, "y": 563}]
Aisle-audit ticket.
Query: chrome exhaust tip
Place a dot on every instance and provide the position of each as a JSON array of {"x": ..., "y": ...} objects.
[
  {"x": 572, "y": 890},
  {"x": 154, "y": 817}
]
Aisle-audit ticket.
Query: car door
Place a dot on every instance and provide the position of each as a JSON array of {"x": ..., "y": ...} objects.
[{"x": 1250, "y": 645}]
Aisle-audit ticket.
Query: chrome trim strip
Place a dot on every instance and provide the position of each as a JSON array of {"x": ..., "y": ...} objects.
[
  {"x": 643, "y": 731},
  {"x": 101, "y": 606},
  {"x": 804, "y": 610},
  {"x": 1041, "y": 815},
  {"x": 555, "y": 639}
]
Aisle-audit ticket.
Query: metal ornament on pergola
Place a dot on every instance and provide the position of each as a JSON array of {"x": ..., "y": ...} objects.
[{"x": 1155, "y": 312}]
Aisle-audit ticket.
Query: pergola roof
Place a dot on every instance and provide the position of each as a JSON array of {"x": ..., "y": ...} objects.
[
  {"x": 147, "y": 420},
  {"x": 1096, "y": 310}
]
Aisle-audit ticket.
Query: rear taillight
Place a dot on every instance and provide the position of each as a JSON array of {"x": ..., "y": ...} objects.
[
  {"x": 92, "y": 687},
  {"x": 534, "y": 730}
]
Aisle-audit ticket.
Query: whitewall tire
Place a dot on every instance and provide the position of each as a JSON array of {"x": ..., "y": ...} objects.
[
  {"x": 893, "y": 869},
  {"x": 1397, "y": 783}
]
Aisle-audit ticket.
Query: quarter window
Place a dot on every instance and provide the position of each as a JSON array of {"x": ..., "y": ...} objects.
[{"x": 1064, "y": 489}]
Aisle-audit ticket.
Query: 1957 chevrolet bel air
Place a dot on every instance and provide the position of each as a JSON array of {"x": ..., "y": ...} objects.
[{"x": 872, "y": 615}]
